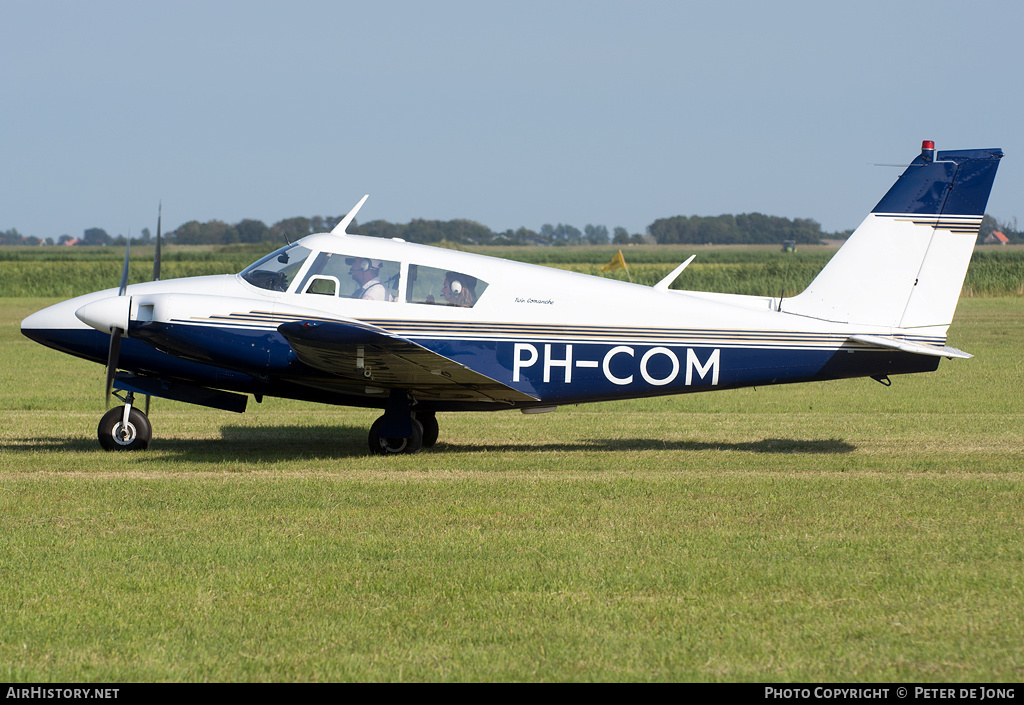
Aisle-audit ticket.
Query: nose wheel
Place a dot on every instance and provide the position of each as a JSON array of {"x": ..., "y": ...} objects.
[{"x": 124, "y": 428}]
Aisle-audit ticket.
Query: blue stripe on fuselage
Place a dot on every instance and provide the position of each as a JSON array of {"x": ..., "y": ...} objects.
[
  {"x": 557, "y": 372},
  {"x": 568, "y": 373},
  {"x": 562, "y": 372}
]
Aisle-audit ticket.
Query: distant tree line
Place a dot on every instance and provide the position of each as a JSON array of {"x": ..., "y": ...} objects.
[{"x": 746, "y": 228}]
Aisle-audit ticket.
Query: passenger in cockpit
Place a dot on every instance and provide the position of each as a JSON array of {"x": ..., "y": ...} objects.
[{"x": 458, "y": 289}]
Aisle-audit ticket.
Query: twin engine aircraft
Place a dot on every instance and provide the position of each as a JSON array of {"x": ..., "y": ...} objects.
[{"x": 414, "y": 330}]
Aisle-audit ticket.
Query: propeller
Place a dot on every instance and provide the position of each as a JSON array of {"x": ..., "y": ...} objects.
[
  {"x": 156, "y": 263},
  {"x": 156, "y": 255},
  {"x": 116, "y": 332}
]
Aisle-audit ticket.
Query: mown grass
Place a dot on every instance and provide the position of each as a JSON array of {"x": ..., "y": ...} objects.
[{"x": 836, "y": 532}]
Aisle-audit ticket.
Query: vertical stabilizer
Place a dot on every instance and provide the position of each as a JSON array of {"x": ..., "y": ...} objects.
[{"x": 905, "y": 265}]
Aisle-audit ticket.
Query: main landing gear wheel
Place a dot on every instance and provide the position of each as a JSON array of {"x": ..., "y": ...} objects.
[
  {"x": 382, "y": 445},
  {"x": 115, "y": 434},
  {"x": 430, "y": 430}
]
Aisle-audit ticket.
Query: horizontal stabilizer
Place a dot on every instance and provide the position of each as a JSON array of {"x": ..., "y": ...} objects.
[
  {"x": 373, "y": 357},
  {"x": 910, "y": 347}
]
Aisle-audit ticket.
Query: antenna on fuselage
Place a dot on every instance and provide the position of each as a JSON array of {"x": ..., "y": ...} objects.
[
  {"x": 340, "y": 228},
  {"x": 664, "y": 283}
]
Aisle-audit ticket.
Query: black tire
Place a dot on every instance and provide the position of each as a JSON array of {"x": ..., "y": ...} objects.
[
  {"x": 135, "y": 436},
  {"x": 430, "y": 429},
  {"x": 380, "y": 445}
]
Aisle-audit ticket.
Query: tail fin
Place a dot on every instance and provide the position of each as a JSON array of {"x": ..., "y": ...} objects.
[{"x": 904, "y": 266}]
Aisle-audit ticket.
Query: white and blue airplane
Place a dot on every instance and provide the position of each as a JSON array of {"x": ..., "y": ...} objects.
[{"x": 414, "y": 330}]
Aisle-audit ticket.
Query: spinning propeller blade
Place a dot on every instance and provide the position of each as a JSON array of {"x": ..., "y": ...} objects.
[
  {"x": 156, "y": 255},
  {"x": 114, "y": 351},
  {"x": 124, "y": 271},
  {"x": 156, "y": 263},
  {"x": 115, "y": 333},
  {"x": 112, "y": 355}
]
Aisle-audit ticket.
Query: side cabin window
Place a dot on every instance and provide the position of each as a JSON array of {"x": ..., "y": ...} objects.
[
  {"x": 429, "y": 285},
  {"x": 276, "y": 271},
  {"x": 333, "y": 274}
]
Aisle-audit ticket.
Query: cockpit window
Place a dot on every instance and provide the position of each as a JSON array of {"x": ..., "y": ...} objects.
[
  {"x": 364, "y": 278},
  {"x": 429, "y": 285},
  {"x": 276, "y": 271}
]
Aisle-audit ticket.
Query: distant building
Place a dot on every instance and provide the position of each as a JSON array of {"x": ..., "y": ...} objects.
[{"x": 996, "y": 238}]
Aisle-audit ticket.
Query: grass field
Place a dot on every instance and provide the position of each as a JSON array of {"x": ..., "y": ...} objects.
[{"x": 838, "y": 532}]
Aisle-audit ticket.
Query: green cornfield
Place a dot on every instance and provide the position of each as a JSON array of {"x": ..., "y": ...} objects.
[{"x": 756, "y": 271}]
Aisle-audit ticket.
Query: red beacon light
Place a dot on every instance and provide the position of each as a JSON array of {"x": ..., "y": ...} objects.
[{"x": 928, "y": 150}]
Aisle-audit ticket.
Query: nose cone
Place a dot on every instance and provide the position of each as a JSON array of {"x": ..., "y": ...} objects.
[
  {"x": 57, "y": 317},
  {"x": 57, "y": 327},
  {"x": 106, "y": 314},
  {"x": 43, "y": 320}
]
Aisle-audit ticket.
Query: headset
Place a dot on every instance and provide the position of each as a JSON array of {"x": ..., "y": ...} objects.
[
  {"x": 456, "y": 287},
  {"x": 365, "y": 265}
]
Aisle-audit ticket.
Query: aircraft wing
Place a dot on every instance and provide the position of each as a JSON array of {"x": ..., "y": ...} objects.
[
  {"x": 373, "y": 357},
  {"x": 910, "y": 347}
]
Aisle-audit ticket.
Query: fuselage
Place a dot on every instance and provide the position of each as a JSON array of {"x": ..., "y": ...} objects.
[
  {"x": 411, "y": 329},
  {"x": 557, "y": 337}
]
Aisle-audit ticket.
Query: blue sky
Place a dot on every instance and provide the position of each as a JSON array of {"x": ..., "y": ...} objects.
[{"x": 508, "y": 113}]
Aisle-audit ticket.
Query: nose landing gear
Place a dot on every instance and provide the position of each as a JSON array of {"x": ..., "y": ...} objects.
[{"x": 125, "y": 428}]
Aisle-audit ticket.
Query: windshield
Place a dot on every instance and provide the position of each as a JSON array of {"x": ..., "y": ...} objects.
[{"x": 276, "y": 271}]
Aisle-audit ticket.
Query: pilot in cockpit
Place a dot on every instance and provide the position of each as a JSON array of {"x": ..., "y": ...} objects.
[{"x": 366, "y": 273}]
